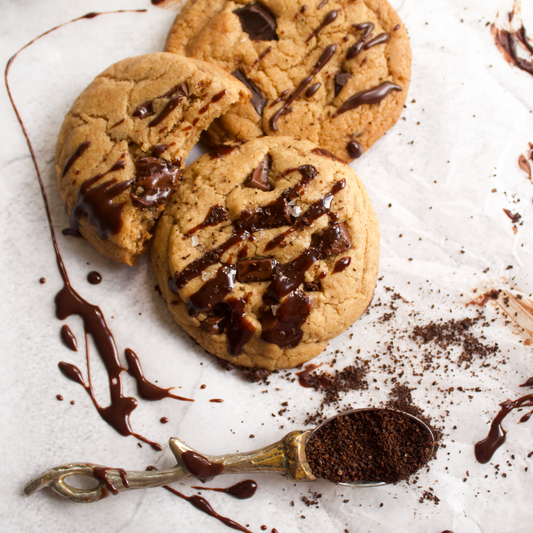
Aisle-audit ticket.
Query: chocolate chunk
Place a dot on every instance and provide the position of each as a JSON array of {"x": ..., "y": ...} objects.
[
  {"x": 258, "y": 100},
  {"x": 258, "y": 179},
  {"x": 311, "y": 286},
  {"x": 214, "y": 325},
  {"x": 221, "y": 150},
  {"x": 156, "y": 181},
  {"x": 258, "y": 22},
  {"x": 335, "y": 240},
  {"x": 341, "y": 79},
  {"x": 261, "y": 269},
  {"x": 144, "y": 110}
]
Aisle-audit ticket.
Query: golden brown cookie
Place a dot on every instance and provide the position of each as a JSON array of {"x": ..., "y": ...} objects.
[
  {"x": 124, "y": 141},
  {"x": 268, "y": 250},
  {"x": 335, "y": 72}
]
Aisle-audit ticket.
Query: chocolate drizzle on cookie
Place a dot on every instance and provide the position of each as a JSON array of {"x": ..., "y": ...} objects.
[
  {"x": 325, "y": 57},
  {"x": 216, "y": 215},
  {"x": 156, "y": 180},
  {"x": 96, "y": 202},
  {"x": 370, "y": 96},
  {"x": 258, "y": 100},
  {"x": 355, "y": 49},
  {"x": 328, "y": 19},
  {"x": 258, "y": 22},
  {"x": 75, "y": 156},
  {"x": 285, "y": 306},
  {"x": 378, "y": 39}
]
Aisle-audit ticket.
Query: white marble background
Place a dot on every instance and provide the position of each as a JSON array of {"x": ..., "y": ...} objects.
[{"x": 475, "y": 118}]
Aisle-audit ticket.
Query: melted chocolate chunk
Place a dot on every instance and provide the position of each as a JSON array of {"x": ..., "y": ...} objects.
[
  {"x": 334, "y": 240},
  {"x": 311, "y": 286},
  {"x": 284, "y": 328},
  {"x": 212, "y": 292},
  {"x": 273, "y": 215},
  {"x": 258, "y": 100},
  {"x": 258, "y": 22},
  {"x": 355, "y": 149},
  {"x": 144, "y": 110},
  {"x": 239, "y": 329},
  {"x": 156, "y": 181},
  {"x": 370, "y": 96},
  {"x": 258, "y": 179},
  {"x": 97, "y": 203},
  {"x": 341, "y": 79},
  {"x": 328, "y": 19},
  {"x": 217, "y": 214},
  {"x": 250, "y": 270},
  {"x": 323, "y": 60}
]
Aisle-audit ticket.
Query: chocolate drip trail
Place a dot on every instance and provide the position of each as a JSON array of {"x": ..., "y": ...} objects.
[
  {"x": 147, "y": 390},
  {"x": 217, "y": 214},
  {"x": 201, "y": 467},
  {"x": 328, "y": 19},
  {"x": 100, "y": 472},
  {"x": 68, "y": 338},
  {"x": 242, "y": 490},
  {"x": 97, "y": 203},
  {"x": 326, "y": 56},
  {"x": 370, "y": 96},
  {"x": 486, "y": 448}
]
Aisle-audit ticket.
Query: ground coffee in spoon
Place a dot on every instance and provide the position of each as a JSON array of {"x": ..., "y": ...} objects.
[{"x": 376, "y": 445}]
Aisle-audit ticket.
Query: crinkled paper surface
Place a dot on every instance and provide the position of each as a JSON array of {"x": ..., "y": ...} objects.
[{"x": 439, "y": 181}]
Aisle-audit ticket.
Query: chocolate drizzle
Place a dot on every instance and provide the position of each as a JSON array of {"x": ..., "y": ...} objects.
[
  {"x": 312, "y": 89},
  {"x": 325, "y": 57},
  {"x": 286, "y": 306},
  {"x": 96, "y": 202},
  {"x": 156, "y": 180},
  {"x": 258, "y": 100},
  {"x": 370, "y": 96},
  {"x": 355, "y": 49},
  {"x": 342, "y": 264},
  {"x": 241, "y": 490},
  {"x": 217, "y": 214},
  {"x": 100, "y": 472},
  {"x": 201, "y": 467},
  {"x": 378, "y": 39},
  {"x": 147, "y": 390},
  {"x": 75, "y": 156},
  {"x": 258, "y": 22},
  {"x": 328, "y": 19},
  {"x": 486, "y": 448}
]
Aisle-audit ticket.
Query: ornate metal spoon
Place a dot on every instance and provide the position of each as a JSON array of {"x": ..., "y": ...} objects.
[{"x": 285, "y": 457}]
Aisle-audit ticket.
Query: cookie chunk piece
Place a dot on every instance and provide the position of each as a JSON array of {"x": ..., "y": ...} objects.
[
  {"x": 268, "y": 250},
  {"x": 122, "y": 146},
  {"x": 335, "y": 72}
]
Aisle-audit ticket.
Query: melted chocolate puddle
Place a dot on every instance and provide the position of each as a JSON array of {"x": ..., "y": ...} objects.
[
  {"x": 69, "y": 302},
  {"x": 201, "y": 467}
]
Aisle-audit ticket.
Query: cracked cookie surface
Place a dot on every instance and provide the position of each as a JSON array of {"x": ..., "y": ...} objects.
[
  {"x": 122, "y": 146},
  {"x": 335, "y": 72},
  {"x": 268, "y": 250}
]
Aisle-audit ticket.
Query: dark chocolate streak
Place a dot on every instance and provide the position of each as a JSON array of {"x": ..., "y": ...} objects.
[
  {"x": 312, "y": 89},
  {"x": 370, "y": 96},
  {"x": 241, "y": 490},
  {"x": 326, "y": 56},
  {"x": 76, "y": 155},
  {"x": 97, "y": 203},
  {"x": 355, "y": 49},
  {"x": 147, "y": 390},
  {"x": 328, "y": 19},
  {"x": 69, "y": 302},
  {"x": 217, "y": 214},
  {"x": 486, "y": 448}
]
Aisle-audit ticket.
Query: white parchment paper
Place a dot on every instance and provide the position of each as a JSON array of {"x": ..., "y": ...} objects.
[{"x": 440, "y": 179}]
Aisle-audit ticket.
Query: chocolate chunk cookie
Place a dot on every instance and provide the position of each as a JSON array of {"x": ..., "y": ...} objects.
[
  {"x": 335, "y": 72},
  {"x": 268, "y": 250},
  {"x": 122, "y": 145}
]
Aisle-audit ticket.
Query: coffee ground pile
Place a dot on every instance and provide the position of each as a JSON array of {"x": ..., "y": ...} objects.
[{"x": 376, "y": 445}]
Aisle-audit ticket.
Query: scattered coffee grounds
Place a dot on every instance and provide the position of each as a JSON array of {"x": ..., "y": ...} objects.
[
  {"x": 429, "y": 495},
  {"x": 375, "y": 445}
]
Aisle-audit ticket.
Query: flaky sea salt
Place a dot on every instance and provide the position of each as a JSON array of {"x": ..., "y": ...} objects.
[{"x": 195, "y": 241}]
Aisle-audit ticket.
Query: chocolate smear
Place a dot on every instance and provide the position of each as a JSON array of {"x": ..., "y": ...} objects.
[
  {"x": 258, "y": 22},
  {"x": 216, "y": 215},
  {"x": 250, "y": 270},
  {"x": 75, "y": 156},
  {"x": 201, "y": 467}
]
